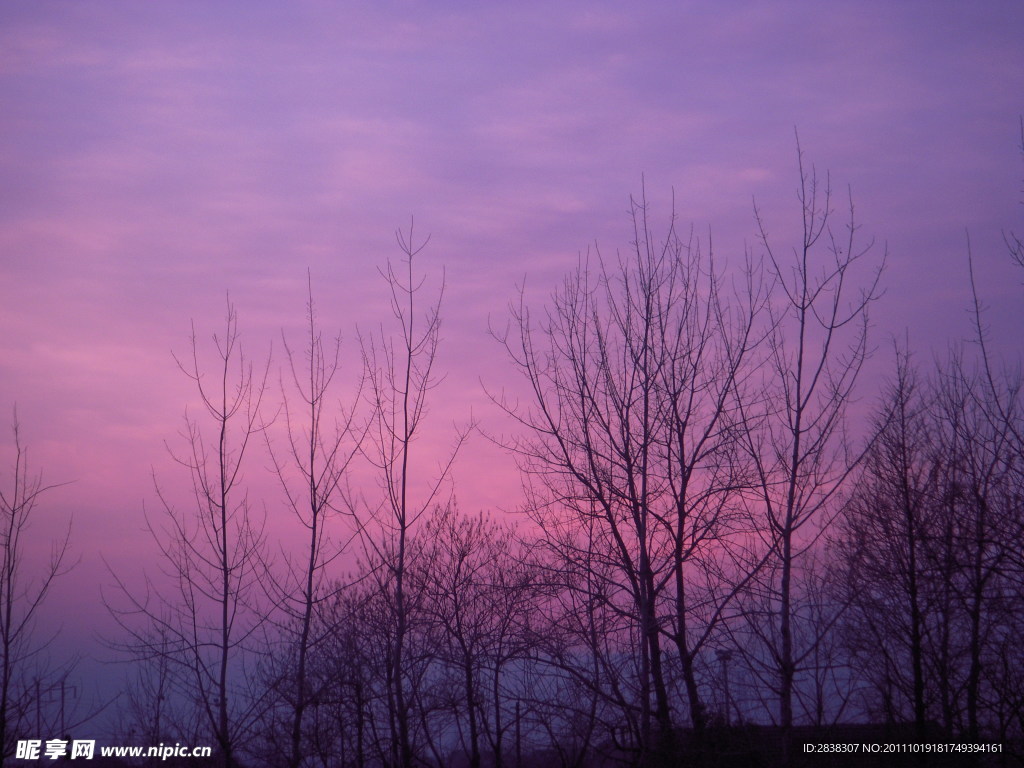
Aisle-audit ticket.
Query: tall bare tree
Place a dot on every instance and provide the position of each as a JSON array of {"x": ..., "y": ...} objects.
[
  {"x": 25, "y": 671},
  {"x": 202, "y": 616},
  {"x": 322, "y": 439},
  {"x": 629, "y": 451},
  {"x": 929, "y": 541},
  {"x": 796, "y": 433},
  {"x": 981, "y": 465},
  {"x": 883, "y": 541},
  {"x": 400, "y": 376}
]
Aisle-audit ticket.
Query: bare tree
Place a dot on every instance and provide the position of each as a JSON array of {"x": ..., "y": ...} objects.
[
  {"x": 312, "y": 472},
  {"x": 579, "y": 686},
  {"x": 479, "y": 593},
  {"x": 25, "y": 671},
  {"x": 882, "y": 539},
  {"x": 630, "y": 447},
  {"x": 981, "y": 466},
  {"x": 348, "y": 721},
  {"x": 400, "y": 377},
  {"x": 929, "y": 541},
  {"x": 798, "y": 441},
  {"x": 202, "y": 616}
]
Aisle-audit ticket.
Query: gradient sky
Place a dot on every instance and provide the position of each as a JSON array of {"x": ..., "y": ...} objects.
[{"x": 155, "y": 155}]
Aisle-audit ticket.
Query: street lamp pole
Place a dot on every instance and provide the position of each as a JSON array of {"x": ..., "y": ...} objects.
[{"x": 724, "y": 655}]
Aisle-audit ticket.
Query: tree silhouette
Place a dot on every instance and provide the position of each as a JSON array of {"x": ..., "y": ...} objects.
[
  {"x": 204, "y": 617},
  {"x": 630, "y": 452},
  {"x": 796, "y": 432},
  {"x": 400, "y": 376},
  {"x": 322, "y": 440},
  {"x": 25, "y": 672}
]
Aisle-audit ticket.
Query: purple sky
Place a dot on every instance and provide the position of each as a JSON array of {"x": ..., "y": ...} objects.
[{"x": 155, "y": 155}]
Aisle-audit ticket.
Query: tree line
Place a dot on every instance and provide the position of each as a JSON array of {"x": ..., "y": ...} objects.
[{"x": 714, "y": 537}]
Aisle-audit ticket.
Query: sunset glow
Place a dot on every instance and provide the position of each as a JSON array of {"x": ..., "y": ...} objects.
[{"x": 156, "y": 158}]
